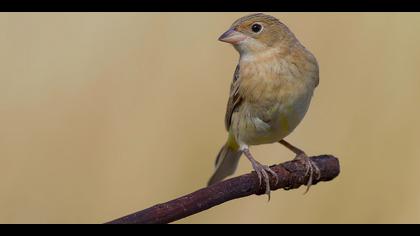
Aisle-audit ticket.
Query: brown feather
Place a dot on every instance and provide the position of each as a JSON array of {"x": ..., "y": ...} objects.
[{"x": 234, "y": 98}]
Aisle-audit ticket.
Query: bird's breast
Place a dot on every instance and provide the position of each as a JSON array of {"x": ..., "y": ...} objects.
[
  {"x": 270, "y": 121},
  {"x": 276, "y": 97}
]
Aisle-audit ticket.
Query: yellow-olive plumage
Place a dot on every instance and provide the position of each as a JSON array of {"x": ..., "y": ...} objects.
[{"x": 271, "y": 90}]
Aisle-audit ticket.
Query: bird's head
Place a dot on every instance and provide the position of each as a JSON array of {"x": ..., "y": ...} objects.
[{"x": 257, "y": 32}]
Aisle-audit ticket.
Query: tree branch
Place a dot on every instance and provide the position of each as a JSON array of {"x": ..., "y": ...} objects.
[{"x": 291, "y": 175}]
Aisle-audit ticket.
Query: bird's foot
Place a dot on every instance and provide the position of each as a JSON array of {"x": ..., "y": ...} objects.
[
  {"x": 311, "y": 169},
  {"x": 262, "y": 172}
]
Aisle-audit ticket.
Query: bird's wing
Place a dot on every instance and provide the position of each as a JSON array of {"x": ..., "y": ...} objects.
[{"x": 234, "y": 98}]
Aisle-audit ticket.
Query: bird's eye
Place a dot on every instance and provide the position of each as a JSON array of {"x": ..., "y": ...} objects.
[{"x": 256, "y": 28}]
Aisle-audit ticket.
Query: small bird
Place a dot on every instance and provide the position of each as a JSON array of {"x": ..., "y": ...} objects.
[{"x": 270, "y": 93}]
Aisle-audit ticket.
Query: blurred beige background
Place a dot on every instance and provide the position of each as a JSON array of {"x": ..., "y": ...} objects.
[{"x": 103, "y": 114}]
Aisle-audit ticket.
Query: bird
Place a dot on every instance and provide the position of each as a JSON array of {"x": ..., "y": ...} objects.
[{"x": 270, "y": 93}]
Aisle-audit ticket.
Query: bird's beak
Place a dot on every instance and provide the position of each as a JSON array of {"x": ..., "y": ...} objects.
[{"x": 232, "y": 36}]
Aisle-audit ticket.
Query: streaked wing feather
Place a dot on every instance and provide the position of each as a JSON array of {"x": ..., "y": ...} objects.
[{"x": 234, "y": 98}]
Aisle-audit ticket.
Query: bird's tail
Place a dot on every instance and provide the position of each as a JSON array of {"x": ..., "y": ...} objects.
[{"x": 226, "y": 163}]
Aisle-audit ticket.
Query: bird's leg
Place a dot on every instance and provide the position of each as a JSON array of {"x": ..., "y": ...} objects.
[
  {"x": 261, "y": 171},
  {"x": 310, "y": 165}
]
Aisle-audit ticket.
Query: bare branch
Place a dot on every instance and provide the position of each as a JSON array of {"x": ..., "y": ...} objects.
[{"x": 291, "y": 175}]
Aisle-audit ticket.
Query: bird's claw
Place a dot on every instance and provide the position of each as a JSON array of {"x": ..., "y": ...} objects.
[
  {"x": 262, "y": 172},
  {"x": 311, "y": 168}
]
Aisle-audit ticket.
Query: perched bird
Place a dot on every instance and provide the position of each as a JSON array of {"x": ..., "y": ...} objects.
[{"x": 270, "y": 93}]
